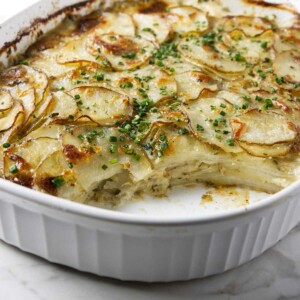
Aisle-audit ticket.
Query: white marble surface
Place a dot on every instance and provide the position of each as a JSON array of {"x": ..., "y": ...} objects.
[{"x": 274, "y": 275}]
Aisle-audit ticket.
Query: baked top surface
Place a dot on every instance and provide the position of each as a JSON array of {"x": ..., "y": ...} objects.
[{"x": 155, "y": 91}]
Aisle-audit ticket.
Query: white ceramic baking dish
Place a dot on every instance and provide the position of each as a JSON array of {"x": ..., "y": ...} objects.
[{"x": 132, "y": 246}]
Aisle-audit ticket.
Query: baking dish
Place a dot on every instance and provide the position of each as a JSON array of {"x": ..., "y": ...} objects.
[{"x": 124, "y": 246}]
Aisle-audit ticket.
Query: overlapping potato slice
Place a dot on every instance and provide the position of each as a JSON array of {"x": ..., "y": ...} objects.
[
  {"x": 55, "y": 177},
  {"x": 210, "y": 121},
  {"x": 152, "y": 27},
  {"x": 186, "y": 19},
  {"x": 241, "y": 48},
  {"x": 81, "y": 76},
  {"x": 191, "y": 84},
  {"x": 275, "y": 133},
  {"x": 6, "y": 100},
  {"x": 276, "y": 150},
  {"x": 8, "y": 118},
  {"x": 99, "y": 153},
  {"x": 148, "y": 82},
  {"x": 62, "y": 107},
  {"x": 266, "y": 128},
  {"x": 101, "y": 105},
  {"x": 166, "y": 146},
  {"x": 115, "y": 23},
  {"x": 286, "y": 69},
  {"x": 212, "y": 7},
  {"x": 120, "y": 51},
  {"x": 251, "y": 26},
  {"x": 52, "y": 131},
  {"x": 82, "y": 51},
  {"x": 22, "y": 77},
  {"x": 21, "y": 160},
  {"x": 26, "y": 95},
  {"x": 196, "y": 50},
  {"x": 47, "y": 62}
]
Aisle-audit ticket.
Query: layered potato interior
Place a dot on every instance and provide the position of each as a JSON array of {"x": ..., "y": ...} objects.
[{"x": 145, "y": 95}]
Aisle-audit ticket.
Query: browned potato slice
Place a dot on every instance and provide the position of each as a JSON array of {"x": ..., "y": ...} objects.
[
  {"x": 101, "y": 105},
  {"x": 7, "y": 119},
  {"x": 194, "y": 50},
  {"x": 6, "y": 100},
  {"x": 212, "y": 7},
  {"x": 186, "y": 19},
  {"x": 62, "y": 107},
  {"x": 287, "y": 69},
  {"x": 21, "y": 161},
  {"x": 148, "y": 82},
  {"x": 263, "y": 128},
  {"x": 121, "y": 52},
  {"x": 152, "y": 27},
  {"x": 191, "y": 84},
  {"x": 115, "y": 23},
  {"x": 55, "y": 177},
  {"x": 242, "y": 48},
  {"x": 80, "y": 52},
  {"x": 20, "y": 78},
  {"x": 99, "y": 153},
  {"x": 251, "y": 26},
  {"x": 210, "y": 121}
]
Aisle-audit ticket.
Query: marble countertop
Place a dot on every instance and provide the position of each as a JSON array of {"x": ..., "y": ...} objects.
[{"x": 274, "y": 275}]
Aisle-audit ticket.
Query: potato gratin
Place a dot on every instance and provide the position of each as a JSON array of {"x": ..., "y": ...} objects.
[{"x": 141, "y": 96}]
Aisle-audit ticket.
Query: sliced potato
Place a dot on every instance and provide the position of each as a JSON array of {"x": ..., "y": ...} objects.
[
  {"x": 196, "y": 52},
  {"x": 82, "y": 76},
  {"x": 122, "y": 52},
  {"x": 240, "y": 47},
  {"x": 276, "y": 150},
  {"x": 101, "y": 105},
  {"x": 6, "y": 100},
  {"x": 20, "y": 78},
  {"x": 148, "y": 82},
  {"x": 115, "y": 23},
  {"x": 8, "y": 119},
  {"x": 80, "y": 52},
  {"x": 26, "y": 95},
  {"x": 62, "y": 107},
  {"x": 152, "y": 27},
  {"x": 263, "y": 128},
  {"x": 186, "y": 19},
  {"x": 55, "y": 169},
  {"x": 48, "y": 63},
  {"x": 50, "y": 131},
  {"x": 191, "y": 84},
  {"x": 287, "y": 67},
  {"x": 96, "y": 157},
  {"x": 210, "y": 121},
  {"x": 29, "y": 154},
  {"x": 251, "y": 26},
  {"x": 212, "y": 7}
]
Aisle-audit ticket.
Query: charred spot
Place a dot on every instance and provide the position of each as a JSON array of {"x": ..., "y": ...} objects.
[
  {"x": 203, "y": 78},
  {"x": 23, "y": 179},
  {"x": 154, "y": 7},
  {"x": 47, "y": 185},
  {"x": 20, "y": 162},
  {"x": 89, "y": 22},
  {"x": 14, "y": 76},
  {"x": 120, "y": 47},
  {"x": 72, "y": 153}
]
